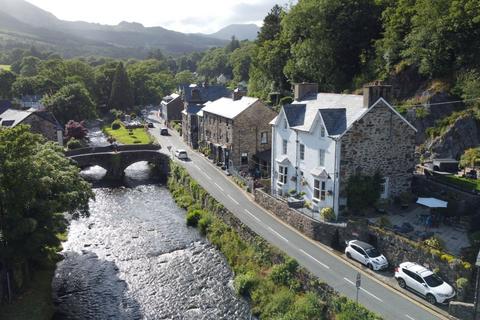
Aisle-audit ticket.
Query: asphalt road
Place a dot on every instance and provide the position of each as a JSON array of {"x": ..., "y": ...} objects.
[{"x": 319, "y": 259}]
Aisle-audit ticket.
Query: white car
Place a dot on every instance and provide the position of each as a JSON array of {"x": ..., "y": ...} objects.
[
  {"x": 366, "y": 254},
  {"x": 423, "y": 281},
  {"x": 181, "y": 154}
]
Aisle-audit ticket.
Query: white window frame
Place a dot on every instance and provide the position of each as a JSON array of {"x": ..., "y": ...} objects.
[
  {"x": 282, "y": 174},
  {"x": 264, "y": 137},
  {"x": 321, "y": 157},
  {"x": 243, "y": 155},
  {"x": 319, "y": 190},
  {"x": 284, "y": 146},
  {"x": 302, "y": 151},
  {"x": 385, "y": 185}
]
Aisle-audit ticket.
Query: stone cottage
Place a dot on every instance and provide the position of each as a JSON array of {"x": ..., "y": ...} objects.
[
  {"x": 42, "y": 122},
  {"x": 237, "y": 132},
  {"x": 171, "y": 108},
  {"x": 322, "y": 139},
  {"x": 194, "y": 98}
]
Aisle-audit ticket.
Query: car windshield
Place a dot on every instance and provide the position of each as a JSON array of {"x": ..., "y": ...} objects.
[
  {"x": 372, "y": 253},
  {"x": 433, "y": 281}
]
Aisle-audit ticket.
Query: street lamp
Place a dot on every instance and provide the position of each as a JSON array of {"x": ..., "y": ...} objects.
[{"x": 477, "y": 265}]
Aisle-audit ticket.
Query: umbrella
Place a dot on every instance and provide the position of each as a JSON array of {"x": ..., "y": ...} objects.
[{"x": 432, "y": 202}]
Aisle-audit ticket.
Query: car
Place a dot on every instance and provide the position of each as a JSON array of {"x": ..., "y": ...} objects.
[
  {"x": 150, "y": 125},
  {"x": 472, "y": 174},
  {"x": 164, "y": 132},
  {"x": 181, "y": 154},
  {"x": 366, "y": 254},
  {"x": 424, "y": 282}
]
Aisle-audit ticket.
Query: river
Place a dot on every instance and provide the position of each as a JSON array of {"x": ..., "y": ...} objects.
[{"x": 134, "y": 258}]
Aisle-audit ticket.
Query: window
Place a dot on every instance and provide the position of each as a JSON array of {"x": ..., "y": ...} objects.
[
  {"x": 319, "y": 191},
  {"x": 322, "y": 158},
  {"x": 302, "y": 152},
  {"x": 264, "y": 137},
  {"x": 284, "y": 147},
  {"x": 285, "y": 126},
  {"x": 322, "y": 131},
  {"x": 244, "y": 158},
  {"x": 282, "y": 174}
]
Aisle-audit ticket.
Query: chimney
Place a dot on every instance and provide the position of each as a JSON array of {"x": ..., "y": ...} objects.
[
  {"x": 374, "y": 91},
  {"x": 238, "y": 93},
  {"x": 301, "y": 90}
]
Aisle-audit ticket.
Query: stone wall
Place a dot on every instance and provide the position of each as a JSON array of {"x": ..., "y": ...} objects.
[
  {"x": 380, "y": 141},
  {"x": 462, "y": 311}
]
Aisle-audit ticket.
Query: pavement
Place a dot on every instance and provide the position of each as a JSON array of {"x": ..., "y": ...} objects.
[{"x": 387, "y": 300}]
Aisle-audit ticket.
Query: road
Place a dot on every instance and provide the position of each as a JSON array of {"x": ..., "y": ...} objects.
[{"x": 318, "y": 259}]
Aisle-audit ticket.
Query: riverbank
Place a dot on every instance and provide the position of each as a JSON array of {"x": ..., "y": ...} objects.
[{"x": 275, "y": 285}]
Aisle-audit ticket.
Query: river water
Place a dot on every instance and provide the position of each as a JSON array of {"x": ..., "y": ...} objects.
[{"x": 134, "y": 258}]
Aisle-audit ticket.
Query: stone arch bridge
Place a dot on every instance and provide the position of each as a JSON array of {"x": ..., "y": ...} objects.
[{"x": 116, "y": 160}]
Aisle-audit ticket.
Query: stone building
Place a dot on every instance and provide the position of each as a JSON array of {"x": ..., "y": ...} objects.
[
  {"x": 42, "y": 122},
  {"x": 194, "y": 98},
  {"x": 322, "y": 139},
  {"x": 237, "y": 131},
  {"x": 171, "y": 108}
]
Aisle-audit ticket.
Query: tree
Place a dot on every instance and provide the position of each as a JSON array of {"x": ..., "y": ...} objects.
[
  {"x": 271, "y": 27},
  {"x": 185, "y": 77},
  {"x": 37, "y": 185},
  {"x": 232, "y": 45},
  {"x": 469, "y": 158},
  {"x": 29, "y": 66},
  {"x": 71, "y": 102},
  {"x": 75, "y": 130},
  {"x": 240, "y": 60},
  {"x": 214, "y": 63},
  {"x": 104, "y": 75},
  {"x": 7, "y": 78},
  {"x": 121, "y": 96}
]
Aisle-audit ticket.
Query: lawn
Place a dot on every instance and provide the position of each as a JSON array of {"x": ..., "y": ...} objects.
[
  {"x": 122, "y": 135},
  {"x": 4, "y": 67},
  {"x": 464, "y": 183},
  {"x": 36, "y": 303}
]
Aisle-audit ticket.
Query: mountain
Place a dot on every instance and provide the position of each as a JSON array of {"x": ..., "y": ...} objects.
[
  {"x": 240, "y": 31},
  {"x": 23, "y": 24}
]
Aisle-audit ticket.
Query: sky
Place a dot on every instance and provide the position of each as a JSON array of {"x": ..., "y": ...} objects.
[{"x": 192, "y": 16}]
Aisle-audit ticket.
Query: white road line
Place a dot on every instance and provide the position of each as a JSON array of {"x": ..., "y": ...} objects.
[
  {"x": 366, "y": 291},
  {"x": 218, "y": 186},
  {"x": 198, "y": 168},
  {"x": 254, "y": 217},
  {"x": 278, "y": 234},
  {"x": 236, "y": 202},
  {"x": 409, "y": 317},
  {"x": 206, "y": 175},
  {"x": 311, "y": 257}
]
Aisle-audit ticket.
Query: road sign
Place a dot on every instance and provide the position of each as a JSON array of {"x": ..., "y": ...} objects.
[{"x": 359, "y": 280}]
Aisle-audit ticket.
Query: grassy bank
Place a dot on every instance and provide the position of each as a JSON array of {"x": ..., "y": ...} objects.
[
  {"x": 129, "y": 136},
  {"x": 36, "y": 302},
  {"x": 463, "y": 183},
  {"x": 274, "y": 284}
]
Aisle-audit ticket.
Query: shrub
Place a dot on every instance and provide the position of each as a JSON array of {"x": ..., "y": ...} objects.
[
  {"x": 283, "y": 273},
  {"x": 204, "y": 223},
  {"x": 184, "y": 201},
  {"x": 467, "y": 265},
  {"x": 462, "y": 283},
  {"x": 327, "y": 214},
  {"x": 74, "y": 144},
  {"x": 384, "y": 222},
  {"x": 446, "y": 257},
  {"x": 244, "y": 283},
  {"x": 363, "y": 191},
  {"x": 436, "y": 270},
  {"x": 117, "y": 124},
  {"x": 435, "y": 242},
  {"x": 75, "y": 130},
  {"x": 278, "y": 304},
  {"x": 193, "y": 217}
]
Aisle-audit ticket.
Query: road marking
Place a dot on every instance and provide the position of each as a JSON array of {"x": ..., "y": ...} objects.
[
  {"x": 255, "y": 217},
  {"x": 409, "y": 317},
  {"x": 278, "y": 234},
  {"x": 218, "y": 186},
  {"x": 236, "y": 202},
  {"x": 311, "y": 257},
  {"x": 198, "y": 168},
  {"x": 366, "y": 291},
  {"x": 206, "y": 175}
]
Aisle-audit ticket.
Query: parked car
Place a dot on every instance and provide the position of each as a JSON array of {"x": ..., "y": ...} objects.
[
  {"x": 181, "y": 154},
  {"x": 164, "y": 132},
  {"x": 472, "y": 174},
  {"x": 366, "y": 254},
  {"x": 423, "y": 281},
  {"x": 150, "y": 125}
]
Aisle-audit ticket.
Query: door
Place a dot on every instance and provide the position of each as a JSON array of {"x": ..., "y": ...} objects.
[
  {"x": 409, "y": 279},
  {"x": 421, "y": 286},
  {"x": 358, "y": 254}
]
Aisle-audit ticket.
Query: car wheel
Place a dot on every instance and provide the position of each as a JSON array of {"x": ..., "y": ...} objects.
[
  {"x": 349, "y": 256},
  {"x": 431, "y": 299},
  {"x": 370, "y": 266},
  {"x": 402, "y": 283}
]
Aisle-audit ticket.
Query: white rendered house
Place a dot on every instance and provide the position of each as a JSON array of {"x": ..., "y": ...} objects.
[{"x": 321, "y": 139}]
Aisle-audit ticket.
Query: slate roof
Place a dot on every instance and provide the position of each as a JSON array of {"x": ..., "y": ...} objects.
[
  {"x": 48, "y": 116},
  {"x": 192, "y": 109},
  {"x": 205, "y": 93},
  {"x": 335, "y": 120},
  {"x": 229, "y": 108},
  {"x": 12, "y": 117},
  {"x": 295, "y": 114}
]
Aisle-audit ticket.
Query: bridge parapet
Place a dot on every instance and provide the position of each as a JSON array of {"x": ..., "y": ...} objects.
[{"x": 123, "y": 147}]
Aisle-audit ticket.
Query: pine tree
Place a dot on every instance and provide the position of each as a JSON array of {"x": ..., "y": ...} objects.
[{"x": 121, "y": 96}]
